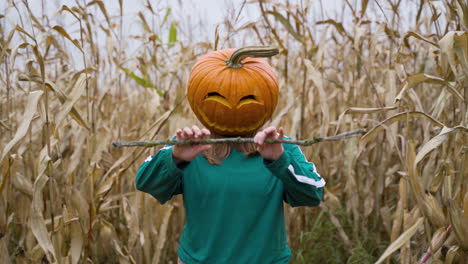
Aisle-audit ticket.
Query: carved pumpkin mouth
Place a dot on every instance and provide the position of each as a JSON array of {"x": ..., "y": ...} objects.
[{"x": 225, "y": 130}]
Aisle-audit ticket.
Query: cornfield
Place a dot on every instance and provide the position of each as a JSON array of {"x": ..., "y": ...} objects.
[{"x": 398, "y": 194}]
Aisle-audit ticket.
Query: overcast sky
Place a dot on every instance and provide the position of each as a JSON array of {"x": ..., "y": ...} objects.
[
  {"x": 197, "y": 19},
  {"x": 207, "y": 13}
]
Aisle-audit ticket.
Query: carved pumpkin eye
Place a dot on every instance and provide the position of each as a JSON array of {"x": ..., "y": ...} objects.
[
  {"x": 214, "y": 94},
  {"x": 249, "y": 99},
  {"x": 250, "y": 96},
  {"x": 217, "y": 97}
]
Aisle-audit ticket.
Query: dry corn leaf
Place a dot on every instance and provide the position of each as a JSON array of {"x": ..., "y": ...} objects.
[
  {"x": 438, "y": 179},
  {"x": 331, "y": 200},
  {"x": 6, "y": 173},
  {"x": 405, "y": 249},
  {"x": 72, "y": 98},
  {"x": 412, "y": 171},
  {"x": 4, "y": 255},
  {"x": 454, "y": 91},
  {"x": 401, "y": 208},
  {"x": 66, "y": 8},
  {"x": 103, "y": 9},
  {"x": 15, "y": 51},
  {"x": 60, "y": 95},
  {"x": 6, "y": 44},
  {"x": 434, "y": 211},
  {"x": 162, "y": 235},
  {"x": 77, "y": 241},
  {"x": 437, "y": 141},
  {"x": 20, "y": 29},
  {"x": 295, "y": 128},
  {"x": 317, "y": 78},
  {"x": 359, "y": 34},
  {"x": 418, "y": 36},
  {"x": 437, "y": 213},
  {"x": 400, "y": 116},
  {"x": 36, "y": 219},
  {"x": 386, "y": 219},
  {"x": 453, "y": 255},
  {"x": 106, "y": 185},
  {"x": 22, "y": 184},
  {"x": 131, "y": 217},
  {"x": 465, "y": 205},
  {"x": 415, "y": 79},
  {"x": 430, "y": 208},
  {"x": 339, "y": 27},
  {"x": 447, "y": 46},
  {"x": 405, "y": 237},
  {"x": 438, "y": 239},
  {"x": 460, "y": 44},
  {"x": 459, "y": 223},
  {"x": 40, "y": 61},
  {"x": 361, "y": 110},
  {"x": 447, "y": 187},
  {"x": 65, "y": 34},
  {"x": 462, "y": 10},
  {"x": 75, "y": 158},
  {"x": 364, "y": 4},
  {"x": 146, "y": 26},
  {"x": 30, "y": 110},
  {"x": 79, "y": 205}
]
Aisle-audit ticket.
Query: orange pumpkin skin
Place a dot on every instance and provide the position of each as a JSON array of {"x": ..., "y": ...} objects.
[{"x": 232, "y": 102}]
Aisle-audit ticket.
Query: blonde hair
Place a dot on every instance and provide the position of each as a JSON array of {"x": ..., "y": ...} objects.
[{"x": 219, "y": 152}]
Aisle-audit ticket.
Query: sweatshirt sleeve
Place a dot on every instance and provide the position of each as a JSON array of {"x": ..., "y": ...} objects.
[
  {"x": 303, "y": 186},
  {"x": 159, "y": 176}
]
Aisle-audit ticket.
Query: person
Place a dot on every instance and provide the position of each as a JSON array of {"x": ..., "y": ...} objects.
[
  {"x": 233, "y": 193},
  {"x": 234, "y": 210}
]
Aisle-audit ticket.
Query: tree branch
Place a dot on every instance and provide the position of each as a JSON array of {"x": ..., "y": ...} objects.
[{"x": 306, "y": 142}]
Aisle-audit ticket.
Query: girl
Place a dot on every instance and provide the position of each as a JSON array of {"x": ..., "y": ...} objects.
[{"x": 233, "y": 193}]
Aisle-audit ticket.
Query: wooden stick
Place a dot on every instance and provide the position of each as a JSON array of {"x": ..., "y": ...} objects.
[{"x": 306, "y": 142}]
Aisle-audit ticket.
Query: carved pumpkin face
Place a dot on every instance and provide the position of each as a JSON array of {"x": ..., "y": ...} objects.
[{"x": 232, "y": 101}]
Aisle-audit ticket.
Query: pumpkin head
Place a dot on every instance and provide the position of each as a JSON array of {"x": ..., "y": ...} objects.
[{"x": 232, "y": 92}]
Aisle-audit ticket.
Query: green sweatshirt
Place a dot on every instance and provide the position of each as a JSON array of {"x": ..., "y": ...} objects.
[{"x": 234, "y": 210}]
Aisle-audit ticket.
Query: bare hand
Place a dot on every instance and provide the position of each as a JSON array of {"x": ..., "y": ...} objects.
[
  {"x": 189, "y": 152},
  {"x": 269, "y": 151}
]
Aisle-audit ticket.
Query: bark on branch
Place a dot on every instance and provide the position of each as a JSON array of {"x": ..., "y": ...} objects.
[{"x": 305, "y": 142}]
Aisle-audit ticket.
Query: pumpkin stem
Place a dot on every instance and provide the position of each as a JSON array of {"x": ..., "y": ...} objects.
[{"x": 234, "y": 61}]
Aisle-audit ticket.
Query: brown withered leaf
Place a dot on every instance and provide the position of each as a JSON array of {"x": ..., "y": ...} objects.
[
  {"x": 437, "y": 141},
  {"x": 31, "y": 109},
  {"x": 405, "y": 237},
  {"x": 413, "y": 80},
  {"x": 400, "y": 116},
  {"x": 459, "y": 223}
]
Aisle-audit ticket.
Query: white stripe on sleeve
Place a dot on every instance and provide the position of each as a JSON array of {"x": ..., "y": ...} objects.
[
  {"x": 149, "y": 158},
  {"x": 304, "y": 179}
]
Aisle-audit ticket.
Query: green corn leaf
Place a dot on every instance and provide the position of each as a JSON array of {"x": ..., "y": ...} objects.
[
  {"x": 168, "y": 11},
  {"x": 286, "y": 24},
  {"x": 172, "y": 35},
  {"x": 141, "y": 81}
]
